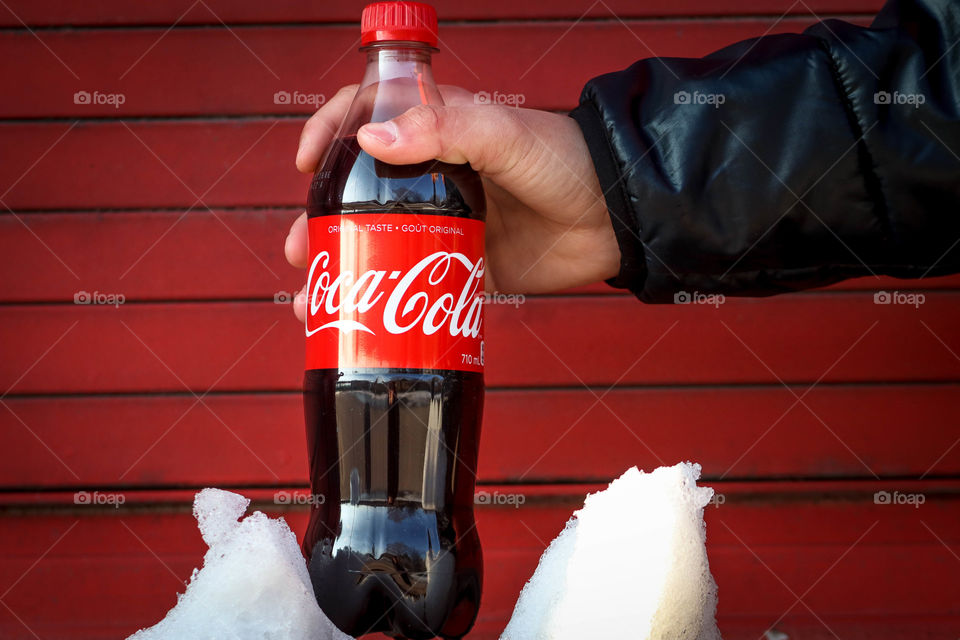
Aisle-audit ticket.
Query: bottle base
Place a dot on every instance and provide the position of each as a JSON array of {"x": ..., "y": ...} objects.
[{"x": 382, "y": 595}]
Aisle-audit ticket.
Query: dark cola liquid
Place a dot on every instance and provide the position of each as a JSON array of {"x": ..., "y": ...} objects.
[{"x": 392, "y": 546}]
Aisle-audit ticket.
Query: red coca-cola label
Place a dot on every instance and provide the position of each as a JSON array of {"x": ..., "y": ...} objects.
[{"x": 395, "y": 291}]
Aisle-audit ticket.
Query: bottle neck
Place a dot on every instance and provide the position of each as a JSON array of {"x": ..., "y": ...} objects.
[
  {"x": 403, "y": 76},
  {"x": 387, "y": 60}
]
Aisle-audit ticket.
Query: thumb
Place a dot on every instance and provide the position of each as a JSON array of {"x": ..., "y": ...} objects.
[{"x": 492, "y": 139}]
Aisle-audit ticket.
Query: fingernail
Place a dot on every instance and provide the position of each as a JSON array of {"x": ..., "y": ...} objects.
[{"x": 385, "y": 132}]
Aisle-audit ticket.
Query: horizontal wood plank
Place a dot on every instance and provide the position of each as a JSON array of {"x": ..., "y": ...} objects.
[
  {"x": 195, "y": 255},
  {"x": 185, "y": 12},
  {"x": 528, "y": 436},
  {"x": 148, "y": 255},
  {"x": 104, "y": 573},
  {"x": 219, "y": 71},
  {"x": 193, "y": 164},
  {"x": 556, "y": 341}
]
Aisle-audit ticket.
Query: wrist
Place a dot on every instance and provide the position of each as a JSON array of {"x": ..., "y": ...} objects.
[{"x": 624, "y": 260}]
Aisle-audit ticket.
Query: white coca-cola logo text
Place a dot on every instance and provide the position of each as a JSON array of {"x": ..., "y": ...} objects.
[{"x": 348, "y": 296}]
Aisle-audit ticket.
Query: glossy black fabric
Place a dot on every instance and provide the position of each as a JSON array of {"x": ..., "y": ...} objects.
[{"x": 831, "y": 154}]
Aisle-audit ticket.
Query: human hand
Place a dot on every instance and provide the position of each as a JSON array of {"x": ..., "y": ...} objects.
[{"x": 547, "y": 221}]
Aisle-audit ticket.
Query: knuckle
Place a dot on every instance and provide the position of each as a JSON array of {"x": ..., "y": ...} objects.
[
  {"x": 424, "y": 117},
  {"x": 516, "y": 138},
  {"x": 426, "y": 121},
  {"x": 511, "y": 120},
  {"x": 347, "y": 90},
  {"x": 318, "y": 117}
]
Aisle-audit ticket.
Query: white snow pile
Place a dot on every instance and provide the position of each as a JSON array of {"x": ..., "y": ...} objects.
[
  {"x": 253, "y": 584},
  {"x": 630, "y": 564}
]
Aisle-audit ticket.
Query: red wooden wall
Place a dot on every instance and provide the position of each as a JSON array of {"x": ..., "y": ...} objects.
[{"x": 800, "y": 408}]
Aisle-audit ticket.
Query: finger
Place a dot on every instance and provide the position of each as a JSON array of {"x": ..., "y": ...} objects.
[
  {"x": 300, "y": 304},
  {"x": 454, "y": 96},
  {"x": 319, "y": 130},
  {"x": 322, "y": 126},
  {"x": 295, "y": 247},
  {"x": 492, "y": 139}
]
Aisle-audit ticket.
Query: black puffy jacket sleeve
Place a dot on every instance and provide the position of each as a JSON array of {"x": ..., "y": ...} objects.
[{"x": 786, "y": 161}]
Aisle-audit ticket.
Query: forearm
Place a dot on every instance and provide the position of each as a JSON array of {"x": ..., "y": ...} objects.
[{"x": 769, "y": 166}]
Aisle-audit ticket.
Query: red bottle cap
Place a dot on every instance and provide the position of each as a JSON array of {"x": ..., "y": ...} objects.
[{"x": 411, "y": 21}]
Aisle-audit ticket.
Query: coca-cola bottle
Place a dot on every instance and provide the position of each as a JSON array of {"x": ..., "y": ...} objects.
[{"x": 393, "y": 390}]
